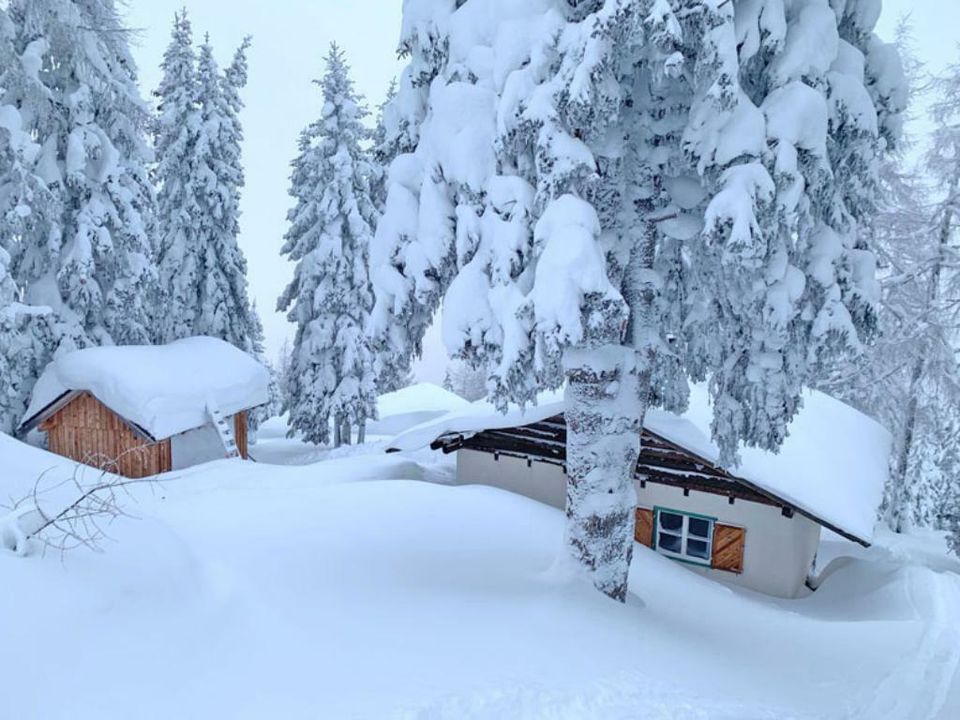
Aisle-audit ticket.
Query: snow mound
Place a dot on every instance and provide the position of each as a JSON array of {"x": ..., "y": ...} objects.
[
  {"x": 403, "y": 409},
  {"x": 833, "y": 463},
  {"x": 164, "y": 389}
]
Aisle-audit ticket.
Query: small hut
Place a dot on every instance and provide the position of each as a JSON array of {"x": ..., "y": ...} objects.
[
  {"x": 755, "y": 524},
  {"x": 144, "y": 410}
]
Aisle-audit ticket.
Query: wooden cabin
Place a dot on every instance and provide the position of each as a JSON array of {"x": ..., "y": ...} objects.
[
  {"x": 757, "y": 525},
  {"x": 145, "y": 410}
]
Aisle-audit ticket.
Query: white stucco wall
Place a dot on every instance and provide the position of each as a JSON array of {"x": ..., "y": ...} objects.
[
  {"x": 778, "y": 551},
  {"x": 539, "y": 481},
  {"x": 196, "y": 446}
]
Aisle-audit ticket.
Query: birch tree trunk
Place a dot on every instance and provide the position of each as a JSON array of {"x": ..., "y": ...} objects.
[{"x": 603, "y": 442}]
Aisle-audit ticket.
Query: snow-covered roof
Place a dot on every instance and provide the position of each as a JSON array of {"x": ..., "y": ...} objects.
[
  {"x": 833, "y": 464},
  {"x": 162, "y": 389}
]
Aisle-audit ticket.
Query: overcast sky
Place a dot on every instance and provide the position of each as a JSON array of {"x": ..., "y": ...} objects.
[{"x": 290, "y": 38}]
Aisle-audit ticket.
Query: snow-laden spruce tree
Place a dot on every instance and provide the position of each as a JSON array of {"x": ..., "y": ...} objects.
[
  {"x": 468, "y": 382},
  {"x": 619, "y": 194},
  {"x": 30, "y": 213},
  {"x": 329, "y": 299},
  {"x": 203, "y": 268},
  {"x": 176, "y": 175},
  {"x": 383, "y": 152},
  {"x": 82, "y": 106},
  {"x": 224, "y": 309},
  {"x": 27, "y": 342}
]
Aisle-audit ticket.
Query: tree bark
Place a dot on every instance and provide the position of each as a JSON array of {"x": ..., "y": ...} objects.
[
  {"x": 603, "y": 443},
  {"x": 337, "y": 430},
  {"x": 345, "y": 432},
  {"x": 361, "y": 433}
]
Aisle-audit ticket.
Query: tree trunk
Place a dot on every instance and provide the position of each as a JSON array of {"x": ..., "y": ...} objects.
[
  {"x": 345, "y": 432},
  {"x": 899, "y": 512},
  {"x": 361, "y": 433},
  {"x": 603, "y": 442},
  {"x": 337, "y": 428},
  {"x": 900, "y": 498}
]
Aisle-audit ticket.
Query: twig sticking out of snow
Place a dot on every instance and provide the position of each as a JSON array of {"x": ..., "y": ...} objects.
[{"x": 83, "y": 522}]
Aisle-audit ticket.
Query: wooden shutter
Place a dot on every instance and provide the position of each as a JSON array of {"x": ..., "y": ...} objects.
[
  {"x": 643, "y": 531},
  {"x": 728, "y": 542}
]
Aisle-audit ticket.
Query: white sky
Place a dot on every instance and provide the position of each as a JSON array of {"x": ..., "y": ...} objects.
[{"x": 290, "y": 38}]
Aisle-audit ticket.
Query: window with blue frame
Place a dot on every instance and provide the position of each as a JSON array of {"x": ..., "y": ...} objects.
[{"x": 684, "y": 536}]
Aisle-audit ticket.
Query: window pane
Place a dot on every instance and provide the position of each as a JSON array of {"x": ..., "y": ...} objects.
[
  {"x": 699, "y": 527},
  {"x": 668, "y": 542},
  {"x": 697, "y": 549},
  {"x": 671, "y": 521}
]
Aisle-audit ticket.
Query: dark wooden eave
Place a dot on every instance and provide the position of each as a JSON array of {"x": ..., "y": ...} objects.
[
  {"x": 64, "y": 399},
  {"x": 661, "y": 461}
]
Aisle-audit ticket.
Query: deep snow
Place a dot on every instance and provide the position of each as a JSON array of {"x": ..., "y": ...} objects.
[{"x": 351, "y": 588}]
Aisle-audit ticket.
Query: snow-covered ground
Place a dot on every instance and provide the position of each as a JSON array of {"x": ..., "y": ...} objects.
[
  {"x": 354, "y": 587},
  {"x": 397, "y": 412}
]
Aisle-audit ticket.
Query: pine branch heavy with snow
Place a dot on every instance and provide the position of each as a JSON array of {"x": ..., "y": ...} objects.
[
  {"x": 634, "y": 193},
  {"x": 80, "y": 102}
]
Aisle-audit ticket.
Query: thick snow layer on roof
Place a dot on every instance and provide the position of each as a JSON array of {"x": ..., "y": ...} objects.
[
  {"x": 833, "y": 463},
  {"x": 165, "y": 389}
]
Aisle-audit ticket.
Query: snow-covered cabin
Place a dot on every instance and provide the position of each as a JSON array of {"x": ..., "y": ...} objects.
[
  {"x": 144, "y": 410},
  {"x": 756, "y": 525}
]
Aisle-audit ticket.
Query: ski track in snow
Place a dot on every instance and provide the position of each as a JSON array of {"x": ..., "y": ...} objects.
[
  {"x": 626, "y": 697},
  {"x": 918, "y": 687}
]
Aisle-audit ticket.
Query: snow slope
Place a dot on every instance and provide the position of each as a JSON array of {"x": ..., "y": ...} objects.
[
  {"x": 833, "y": 462},
  {"x": 397, "y": 411},
  {"x": 349, "y": 588}
]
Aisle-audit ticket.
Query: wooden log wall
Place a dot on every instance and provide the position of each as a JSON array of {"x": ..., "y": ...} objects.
[
  {"x": 240, "y": 431},
  {"x": 89, "y": 432}
]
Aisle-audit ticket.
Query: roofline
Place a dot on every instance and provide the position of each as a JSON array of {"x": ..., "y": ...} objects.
[
  {"x": 59, "y": 402},
  {"x": 454, "y": 436},
  {"x": 767, "y": 493},
  {"x": 68, "y": 396}
]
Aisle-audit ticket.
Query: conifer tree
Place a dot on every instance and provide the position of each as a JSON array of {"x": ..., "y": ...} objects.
[
  {"x": 224, "y": 309},
  {"x": 27, "y": 342},
  {"x": 176, "y": 130},
  {"x": 909, "y": 378},
  {"x": 634, "y": 194},
  {"x": 383, "y": 151},
  {"x": 467, "y": 382},
  {"x": 329, "y": 299},
  {"x": 200, "y": 177},
  {"x": 82, "y": 106}
]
